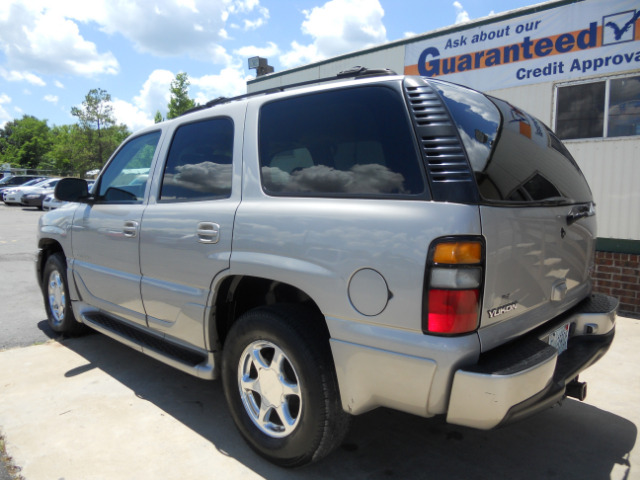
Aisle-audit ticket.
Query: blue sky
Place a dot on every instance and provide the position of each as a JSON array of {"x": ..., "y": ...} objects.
[{"x": 52, "y": 52}]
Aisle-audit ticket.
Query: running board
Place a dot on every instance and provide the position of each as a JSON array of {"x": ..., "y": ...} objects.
[{"x": 199, "y": 363}]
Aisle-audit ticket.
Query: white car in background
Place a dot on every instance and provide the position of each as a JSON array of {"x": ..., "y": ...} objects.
[{"x": 10, "y": 193}]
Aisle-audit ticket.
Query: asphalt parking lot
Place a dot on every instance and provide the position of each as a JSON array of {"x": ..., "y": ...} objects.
[{"x": 90, "y": 408}]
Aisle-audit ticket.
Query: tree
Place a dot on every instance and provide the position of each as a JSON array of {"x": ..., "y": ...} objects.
[
  {"x": 180, "y": 101},
  {"x": 66, "y": 150},
  {"x": 158, "y": 118},
  {"x": 99, "y": 135},
  {"x": 24, "y": 142}
]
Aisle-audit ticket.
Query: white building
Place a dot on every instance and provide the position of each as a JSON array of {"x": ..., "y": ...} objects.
[{"x": 574, "y": 64}]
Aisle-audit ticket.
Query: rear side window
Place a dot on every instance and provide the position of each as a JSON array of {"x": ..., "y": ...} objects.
[
  {"x": 530, "y": 164},
  {"x": 352, "y": 142},
  {"x": 515, "y": 157},
  {"x": 199, "y": 165}
]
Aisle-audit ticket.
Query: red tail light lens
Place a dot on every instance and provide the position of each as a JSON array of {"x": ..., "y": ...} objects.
[
  {"x": 453, "y": 311},
  {"x": 453, "y": 286}
]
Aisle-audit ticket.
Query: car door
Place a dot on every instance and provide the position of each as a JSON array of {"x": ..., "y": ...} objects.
[
  {"x": 105, "y": 232},
  {"x": 186, "y": 231}
]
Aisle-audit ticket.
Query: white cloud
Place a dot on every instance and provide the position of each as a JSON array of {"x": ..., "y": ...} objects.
[
  {"x": 15, "y": 76},
  {"x": 171, "y": 28},
  {"x": 153, "y": 96},
  {"x": 299, "y": 55},
  {"x": 44, "y": 37},
  {"x": 51, "y": 98},
  {"x": 4, "y": 115},
  {"x": 229, "y": 83},
  {"x": 195, "y": 28},
  {"x": 40, "y": 39},
  {"x": 131, "y": 115},
  {"x": 58, "y": 84},
  {"x": 253, "y": 24},
  {"x": 271, "y": 50},
  {"x": 339, "y": 26},
  {"x": 461, "y": 14}
]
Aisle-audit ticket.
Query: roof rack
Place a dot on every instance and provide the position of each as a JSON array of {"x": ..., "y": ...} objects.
[{"x": 355, "y": 73}]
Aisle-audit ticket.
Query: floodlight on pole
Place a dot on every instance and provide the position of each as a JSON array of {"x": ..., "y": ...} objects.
[{"x": 261, "y": 65}]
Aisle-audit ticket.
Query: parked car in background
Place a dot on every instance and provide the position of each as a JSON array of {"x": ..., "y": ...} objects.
[
  {"x": 14, "y": 181},
  {"x": 16, "y": 195},
  {"x": 50, "y": 201},
  {"x": 35, "y": 196}
]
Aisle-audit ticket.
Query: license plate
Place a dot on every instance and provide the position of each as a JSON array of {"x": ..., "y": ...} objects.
[{"x": 559, "y": 338}]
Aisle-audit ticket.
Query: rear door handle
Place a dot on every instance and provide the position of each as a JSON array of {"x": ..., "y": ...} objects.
[
  {"x": 208, "y": 232},
  {"x": 130, "y": 228}
]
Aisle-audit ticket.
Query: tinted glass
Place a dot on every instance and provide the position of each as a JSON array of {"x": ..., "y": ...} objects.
[
  {"x": 580, "y": 111},
  {"x": 199, "y": 165},
  {"x": 126, "y": 177},
  {"x": 477, "y": 120},
  {"x": 530, "y": 164},
  {"x": 352, "y": 142},
  {"x": 624, "y": 107}
]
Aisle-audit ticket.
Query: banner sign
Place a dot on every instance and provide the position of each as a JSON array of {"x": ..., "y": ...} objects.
[{"x": 569, "y": 41}]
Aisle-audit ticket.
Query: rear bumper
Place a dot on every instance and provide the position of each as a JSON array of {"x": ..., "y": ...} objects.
[{"x": 528, "y": 375}]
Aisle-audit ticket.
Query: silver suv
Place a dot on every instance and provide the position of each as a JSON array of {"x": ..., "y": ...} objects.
[{"x": 327, "y": 249}]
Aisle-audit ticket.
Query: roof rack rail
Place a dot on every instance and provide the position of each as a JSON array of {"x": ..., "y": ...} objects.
[
  {"x": 360, "y": 72},
  {"x": 355, "y": 72}
]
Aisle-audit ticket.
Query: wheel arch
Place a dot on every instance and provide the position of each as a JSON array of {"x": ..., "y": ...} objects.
[
  {"x": 47, "y": 247},
  {"x": 240, "y": 293}
]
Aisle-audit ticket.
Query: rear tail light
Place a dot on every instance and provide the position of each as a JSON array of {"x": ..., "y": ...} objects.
[{"x": 453, "y": 286}]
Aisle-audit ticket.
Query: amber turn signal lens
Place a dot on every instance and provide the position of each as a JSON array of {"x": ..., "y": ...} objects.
[{"x": 458, "y": 253}]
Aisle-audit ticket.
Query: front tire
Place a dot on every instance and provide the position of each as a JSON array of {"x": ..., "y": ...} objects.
[
  {"x": 57, "y": 302},
  {"x": 281, "y": 387}
]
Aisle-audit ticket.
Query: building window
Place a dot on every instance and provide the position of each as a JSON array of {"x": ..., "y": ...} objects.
[{"x": 606, "y": 108}]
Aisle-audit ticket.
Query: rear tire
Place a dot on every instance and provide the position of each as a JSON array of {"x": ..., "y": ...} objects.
[
  {"x": 57, "y": 302},
  {"x": 281, "y": 387}
]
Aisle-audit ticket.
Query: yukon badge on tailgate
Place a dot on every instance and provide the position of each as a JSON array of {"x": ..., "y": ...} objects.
[{"x": 509, "y": 307}]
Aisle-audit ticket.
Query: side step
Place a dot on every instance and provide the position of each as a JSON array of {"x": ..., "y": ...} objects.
[{"x": 199, "y": 363}]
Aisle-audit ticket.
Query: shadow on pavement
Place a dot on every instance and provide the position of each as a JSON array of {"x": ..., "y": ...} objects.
[{"x": 574, "y": 440}]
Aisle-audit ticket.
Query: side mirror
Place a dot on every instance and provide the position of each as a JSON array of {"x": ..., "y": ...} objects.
[{"x": 71, "y": 190}]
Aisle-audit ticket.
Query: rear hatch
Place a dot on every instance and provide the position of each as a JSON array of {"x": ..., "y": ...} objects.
[{"x": 536, "y": 210}]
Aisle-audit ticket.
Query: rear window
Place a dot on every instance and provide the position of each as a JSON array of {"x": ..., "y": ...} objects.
[
  {"x": 352, "y": 142},
  {"x": 515, "y": 157}
]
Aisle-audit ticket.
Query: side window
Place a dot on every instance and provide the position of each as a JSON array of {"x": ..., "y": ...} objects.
[
  {"x": 199, "y": 164},
  {"x": 351, "y": 142},
  {"x": 126, "y": 177}
]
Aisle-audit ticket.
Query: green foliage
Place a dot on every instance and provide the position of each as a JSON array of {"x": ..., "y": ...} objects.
[
  {"x": 97, "y": 136},
  {"x": 24, "y": 142},
  {"x": 68, "y": 149},
  {"x": 158, "y": 117},
  {"x": 180, "y": 101}
]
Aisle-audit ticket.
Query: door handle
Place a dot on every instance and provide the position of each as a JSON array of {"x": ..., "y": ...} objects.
[
  {"x": 130, "y": 228},
  {"x": 208, "y": 232}
]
